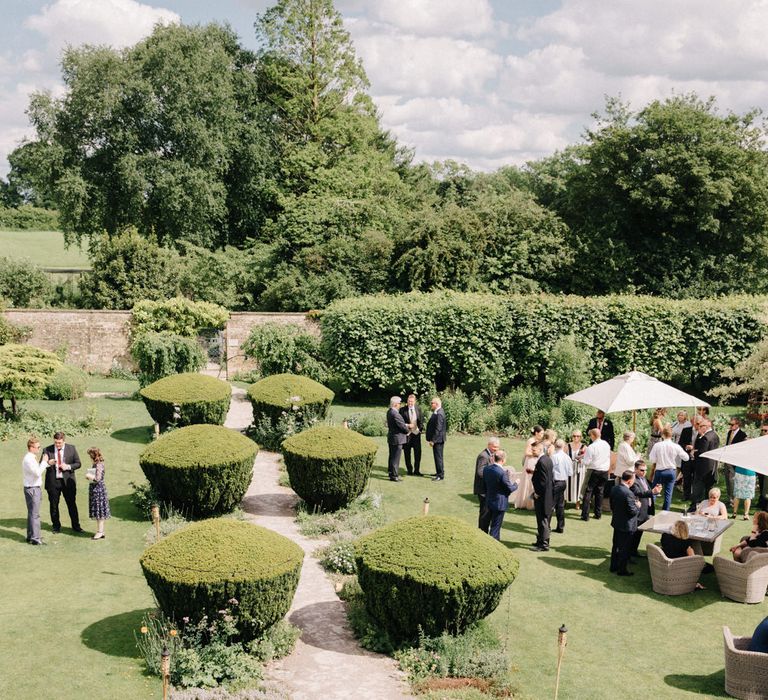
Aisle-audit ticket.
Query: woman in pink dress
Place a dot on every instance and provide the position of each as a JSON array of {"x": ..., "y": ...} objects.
[{"x": 524, "y": 494}]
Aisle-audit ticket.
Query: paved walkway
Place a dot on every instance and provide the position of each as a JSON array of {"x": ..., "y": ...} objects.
[{"x": 327, "y": 661}]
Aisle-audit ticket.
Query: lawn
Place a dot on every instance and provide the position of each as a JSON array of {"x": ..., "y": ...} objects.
[
  {"x": 75, "y": 603},
  {"x": 44, "y": 248}
]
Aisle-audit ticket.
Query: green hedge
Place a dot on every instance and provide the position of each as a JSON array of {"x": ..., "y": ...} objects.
[
  {"x": 29, "y": 218},
  {"x": 454, "y": 339},
  {"x": 431, "y": 575},
  {"x": 285, "y": 393},
  {"x": 198, "y": 570},
  {"x": 200, "y": 470},
  {"x": 66, "y": 383},
  {"x": 328, "y": 466},
  {"x": 160, "y": 355},
  {"x": 198, "y": 399}
]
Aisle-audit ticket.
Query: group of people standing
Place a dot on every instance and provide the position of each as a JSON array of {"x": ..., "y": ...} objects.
[
  {"x": 55, "y": 469},
  {"x": 405, "y": 425}
]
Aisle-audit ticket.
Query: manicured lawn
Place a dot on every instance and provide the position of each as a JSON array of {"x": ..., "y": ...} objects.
[
  {"x": 97, "y": 383},
  {"x": 44, "y": 248}
]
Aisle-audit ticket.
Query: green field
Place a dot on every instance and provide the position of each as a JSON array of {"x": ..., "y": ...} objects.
[{"x": 44, "y": 248}]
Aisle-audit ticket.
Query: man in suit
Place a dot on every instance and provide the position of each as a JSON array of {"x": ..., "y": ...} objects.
[
  {"x": 483, "y": 460},
  {"x": 605, "y": 427},
  {"x": 624, "y": 509},
  {"x": 62, "y": 460},
  {"x": 643, "y": 493},
  {"x": 543, "y": 497},
  {"x": 412, "y": 415},
  {"x": 735, "y": 434},
  {"x": 687, "y": 437},
  {"x": 397, "y": 434},
  {"x": 498, "y": 486},
  {"x": 436, "y": 429},
  {"x": 704, "y": 470}
]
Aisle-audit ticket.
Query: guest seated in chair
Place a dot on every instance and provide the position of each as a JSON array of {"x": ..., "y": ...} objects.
[
  {"x": 676, "y": 544},
  {"x": 759, "y": 641},
  {"x": 714, "y": 507},
  {"x": 758, "y": 537}
]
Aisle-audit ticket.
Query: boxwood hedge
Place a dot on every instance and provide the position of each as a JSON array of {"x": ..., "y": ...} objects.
[
  {"x": 277, "y": 394},
  {"x": 200, "y": 470},
  {"x": 198, "y": 570},
  {"x": 432, "y": 574},
  {"x": 187, "y": 399},
  {"x": 328, "y": 466}
]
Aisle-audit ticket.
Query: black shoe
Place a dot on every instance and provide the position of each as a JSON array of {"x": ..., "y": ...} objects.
[
  {"x": 585, "y": 518},
  {"x": 558, "y": 529},
  {"x": 409, "y": 473},
  {"x": 597, "y": 517},
  {"x": 56, "y": 530},
  {"x": 395, "y": 478},
  {"x": 78, "y": 529},
  {"x": 539, "y": 549},
  {"x": 417, "y": 473},
  {"x": 39, "y": 543},
  {"x": 437, "y": 478},
  {"x": 626, "y": 573}
]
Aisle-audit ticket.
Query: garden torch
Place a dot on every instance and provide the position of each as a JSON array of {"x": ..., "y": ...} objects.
[
  {"x": 562, "y": 640},
  {"x": 156, "y": 519},
  {"x": 165, "y": 669},
  {"x": 425, "y": 509}
]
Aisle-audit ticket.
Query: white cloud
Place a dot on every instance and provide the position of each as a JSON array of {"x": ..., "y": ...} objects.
[{"x": 436, "y": 17}]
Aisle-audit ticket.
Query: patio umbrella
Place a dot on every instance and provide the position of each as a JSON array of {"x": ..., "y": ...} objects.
[
  {"x": 633, "y": 391},
  {"x": 750, "y": 454}
]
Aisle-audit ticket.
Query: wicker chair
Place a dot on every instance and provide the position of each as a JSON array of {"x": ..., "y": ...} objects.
[
  {"x": 746, "y": 672},
  {"x": 745, "y": 583},
  {"x": 673, "y": 576}
]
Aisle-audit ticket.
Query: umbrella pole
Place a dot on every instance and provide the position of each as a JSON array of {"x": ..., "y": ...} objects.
[{"x": 634, "y": 420}]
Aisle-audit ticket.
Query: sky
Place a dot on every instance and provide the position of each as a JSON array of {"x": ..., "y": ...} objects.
[{"x": 483, "y": 82}]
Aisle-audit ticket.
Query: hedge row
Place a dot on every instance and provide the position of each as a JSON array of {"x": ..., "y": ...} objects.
[
  {"x": 417, "y": 340},
  {"x": 29, "y": 218},
  {"x": 196, "y": 398}
]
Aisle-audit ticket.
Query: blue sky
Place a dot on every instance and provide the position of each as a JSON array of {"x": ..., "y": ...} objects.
[{"x": 486, "y": 82}]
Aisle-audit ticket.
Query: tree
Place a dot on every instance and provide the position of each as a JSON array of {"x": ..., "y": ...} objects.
[
  {"x": 24, "y": 373},
  {"x": 670, "y": 200},
  {"x": 23, "y": 284}
]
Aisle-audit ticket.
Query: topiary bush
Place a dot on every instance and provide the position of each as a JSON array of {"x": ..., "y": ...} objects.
[
  {"x": 187, "y": 399},
  {"x": 197, "y": 571},
  {"x": 273, "y": 396},
  {"x": 66, "y": 383},
  {"x": 434, "y": 574},
  {"x": 328, "y": 466},
  {"x": 200, "y": 470}
]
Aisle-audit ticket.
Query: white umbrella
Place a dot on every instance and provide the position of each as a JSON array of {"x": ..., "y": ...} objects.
[{"x": 750, "y": 454}]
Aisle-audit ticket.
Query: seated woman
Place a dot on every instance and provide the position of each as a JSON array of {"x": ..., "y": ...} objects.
[
  {"x": 676, "y": 544},
  {"x": 714, "y": 507},
  {"x": 758, "y": 538}
]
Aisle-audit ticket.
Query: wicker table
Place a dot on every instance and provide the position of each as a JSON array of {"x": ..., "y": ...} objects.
[{"x": 705, "y": 541}]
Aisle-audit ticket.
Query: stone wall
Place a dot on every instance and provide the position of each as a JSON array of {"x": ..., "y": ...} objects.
[{"x": 95, "y": 340}]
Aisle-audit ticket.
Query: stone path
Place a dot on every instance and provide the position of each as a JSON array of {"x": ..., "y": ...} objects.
[{"x": 327, "y": 661}]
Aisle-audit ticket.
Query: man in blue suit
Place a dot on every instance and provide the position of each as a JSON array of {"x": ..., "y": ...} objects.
[{"x": 498, "y": 487}]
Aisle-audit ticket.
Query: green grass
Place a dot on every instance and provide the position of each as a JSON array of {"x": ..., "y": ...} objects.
[
  {"x": 98, "y": 383},
  {"x": 44, "y": 248}
]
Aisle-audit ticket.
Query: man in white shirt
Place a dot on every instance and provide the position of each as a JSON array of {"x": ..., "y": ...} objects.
[
  {"x": 667, "y": 455},
  {"x": 562, "y": 470},
  {"x": 32, "y": 473},
  {"x": 597, "y": 460}
]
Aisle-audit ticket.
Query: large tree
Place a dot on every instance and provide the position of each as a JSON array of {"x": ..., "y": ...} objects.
[{"x": 669, "y": 200}]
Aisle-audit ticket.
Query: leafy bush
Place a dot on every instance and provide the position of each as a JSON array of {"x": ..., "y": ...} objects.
[
  {"x": 195, "y": 572},
  {"x": 362, "y": 515},
  {"x": 368, "y": 424},
  {"x": 329, "y": 466},
  {"x": 24, "y": 372},
  {"x": 10, "y": 333},
  {"x": 522, "y": 408},
  {"x": 431, "y": 574},
  {"x": 467, "y": 414},
  {"x": 201, "y": 469},
  {"x": 451, "y": 344},
  {"x": 25, "y": 423},
  {"x": 279, "y": 349},
  {"x": 66, "y": 383},
  {"x": 23, "y": 284},
  {"x": 187, "y": 399},
  {"x": 569, "y": 367},
  {"x": 29, "y": 218},
  {"x": 339, "y": 558},
  {"x": 178, "y": 316},
  {"x": 159, "y": 355}
]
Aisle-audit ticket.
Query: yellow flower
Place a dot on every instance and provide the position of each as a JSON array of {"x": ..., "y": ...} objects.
[
  {"x": 173, "y": 633},
  {"x": 144, "y": 629}
]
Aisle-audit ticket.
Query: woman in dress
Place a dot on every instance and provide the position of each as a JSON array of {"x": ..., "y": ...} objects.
[
  {"x": 713, "y": 507},
  {"x": 576, "y": 449},
  {"x": 657, "y": 424},
  {"x": 758, "y": 538},
  {"x": 524, "y": 493},
  {"x": 743, "y": 489},
  {"x": 676, "y": 544},
  {"x": 98, "y": 501}
]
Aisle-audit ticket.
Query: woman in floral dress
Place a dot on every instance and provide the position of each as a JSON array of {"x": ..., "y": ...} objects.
[{"x": 98, "y": 501}]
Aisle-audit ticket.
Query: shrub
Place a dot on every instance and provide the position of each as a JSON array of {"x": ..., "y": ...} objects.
[
  {"x": 29, "y": 218},
  {"x": 273, "y": 396},
  {"x": 10, "y": 333},
  {"x": 178, "y": 316},
  {"x": 522, "y": 408},
  {"x": 368, "y": 424},
  {"x": 328, "y": 466},
  {"x": 360, "y": 516},
  {"x": 159, "y": 355},
  {"x": 467, "y": 414},
  {"x": 278, "y": 349},
  {"x": 569, "y": 367},
  {"x": 25, "y": 423},
  {"x": 23, "y": 284},
  {"x": 187, "y": 399},
  {"x": 339, "y": 558},
  {"x": 66, "y": 383},
  {"x": 431, "y": 574},
  {"x": 196, "y": 572},
  {"x": 24, "y": 372},
  {"x": 200, "y": 470}
]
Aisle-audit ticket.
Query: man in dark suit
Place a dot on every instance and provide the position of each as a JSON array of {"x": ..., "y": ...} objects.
[
  {"x": 686, "y": 440},
  {"x": 483, "y": 460},
  {"x": 498, "y": 486},
  {"x": 397, "y": 434},
  {"x": 63, "y": 461},
  {"x": 704, "y": 470},
  {"x": 735, "y": 434},
  {"x": 643, "y": 493},
  {"x": 605, "y": 427},
  {"x": 624, "y": 510},
  {"x": 543, "y": 497},
  {"x": 436, "y": 428},
  {"x": 412, "y": 415}
]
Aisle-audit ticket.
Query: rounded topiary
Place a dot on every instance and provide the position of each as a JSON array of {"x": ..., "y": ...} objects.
[
  {"x": 200, "y": 569},
  {"x": 328, "y": 466},
  {"x": 194, "y": 398},
  {"x": 200, "y": 470},
  {"x": 432, "y": 573},
  {"x": 277, "y": 394}
]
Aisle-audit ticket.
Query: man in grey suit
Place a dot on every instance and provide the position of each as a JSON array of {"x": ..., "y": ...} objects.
[
  {"x": 483, "y": 460},
  {"x": 436, "y": 429},
  {"x": 397, "y": 434}
]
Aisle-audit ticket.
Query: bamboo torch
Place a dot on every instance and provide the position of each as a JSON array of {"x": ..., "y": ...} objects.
[
  {"x": 165, "y": 669},
  {"x": 425, "y": 509},
  {"x": 562, "y": 641},
  {"x": 155, "y": 511}
]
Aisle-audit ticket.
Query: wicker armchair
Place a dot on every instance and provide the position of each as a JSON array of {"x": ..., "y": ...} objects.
[
  {"x": 745, "y": 583},
  {"x": 746, "y": 672},
  {"x": 673, "y": 576}
]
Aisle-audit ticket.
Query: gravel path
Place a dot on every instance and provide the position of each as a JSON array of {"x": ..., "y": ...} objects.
[{"x": 327, "y": 661}]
